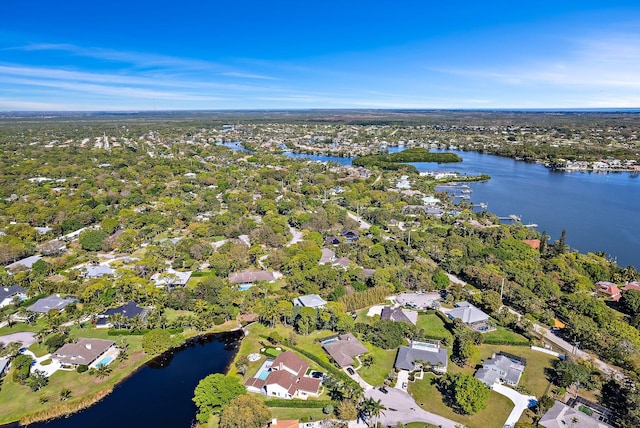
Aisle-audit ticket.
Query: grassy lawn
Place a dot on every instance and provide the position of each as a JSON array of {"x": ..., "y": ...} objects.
[
  {"x": 382, "y": 364},
  {"x": 21, "y": 326},
  {"x": 173, "y": 314},
  {"x": 429, "y": 398},
  {"x": 16, "y": 401},
  {"x": 502, "y": 334},
  {"x": 291, "y": 413},
  {"x": 433, "y": 326}
]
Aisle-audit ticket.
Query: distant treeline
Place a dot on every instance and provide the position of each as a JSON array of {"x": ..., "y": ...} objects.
[{"x": 396, "y": 161}]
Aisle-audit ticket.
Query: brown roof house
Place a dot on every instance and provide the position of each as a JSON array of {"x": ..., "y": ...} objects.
[
  {"x": 248, "y": 277},
  {"x": 399, "y": 315},
  {"x": 344, "y": 348},
  {"x": 286, "y": 379},
  {"x": 83, "y": 352}
]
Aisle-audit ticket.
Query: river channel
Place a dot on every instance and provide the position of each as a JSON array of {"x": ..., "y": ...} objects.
[
  {"x": 599, "y": 211},
  {"x": 159, "y": 394}
]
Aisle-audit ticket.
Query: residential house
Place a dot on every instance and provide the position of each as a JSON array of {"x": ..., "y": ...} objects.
[
  {"x": 564, "y": 416},
  {"x": 610, "y": 289},
  {"x": 4, "y": 365},
  {"x": 310, "y": 301},
  {"x": 10, "y": 293},
  {"x": 470, "y": 315},
  {"x": 286, "y": 379},
  {"x": 399, "y": 315},
  {"x": 47, "y": 304},
  {"x": 127, "y": 312},
  {"x": 332, "y": 240},
  {"x": 248, "y": 277},
  {"x": 351, "y": 235},
  {"x": 421, "y": 355},
  {"x": 533, "y": 243},
  {"x": 26, "y": 263},
  {"x": 635, "y": 285},
  {"x": 343, "y": 262},
  {"x": 54, "y": 247},
  {"x": 502, "y": 368},
  {"x": 171, "y": 278},
  {"x": 83, "y": 352},
  {"x": 344, "y": 348},
  {"x": 97, "y": 271},
  {"x": 328, "y": 257}
]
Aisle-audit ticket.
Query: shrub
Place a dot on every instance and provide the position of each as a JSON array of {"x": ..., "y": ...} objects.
[{"x": 82, "y": 368}]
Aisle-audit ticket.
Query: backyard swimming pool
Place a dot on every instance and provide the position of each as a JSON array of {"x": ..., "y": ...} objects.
[{"x": 105, "y": 361}]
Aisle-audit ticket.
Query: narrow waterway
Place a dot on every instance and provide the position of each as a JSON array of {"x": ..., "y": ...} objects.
[{"x": 159, "y": 394}]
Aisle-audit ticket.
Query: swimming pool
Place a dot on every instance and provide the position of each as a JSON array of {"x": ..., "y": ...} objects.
[
  {"x": 105, "y": 361},
  {"x": 263, "y": 375},
  {"x": 245, "y": 287}
]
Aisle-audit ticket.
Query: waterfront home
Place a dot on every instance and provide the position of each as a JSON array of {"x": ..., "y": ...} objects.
[
  {"x": 8, "y": 295},
  {"x": 421, "y": 355},
  {"x": 285, "y": 378},
  {"x": 533, "y": 243},
  {"x": 470, "y": 315},
  {"x": 399, "y": 315},
  {"x": 635, "y": 285},
  {"x": 344, "y": 348},
  {"x": 310, "y": 301},
  {"x": 46, "y": 304},
  {"x": 126, "y": 312},
  {"x": 502, "y": 368},
  {"x": 83, "y": 352},
  {"x": 610, "y": 289}
]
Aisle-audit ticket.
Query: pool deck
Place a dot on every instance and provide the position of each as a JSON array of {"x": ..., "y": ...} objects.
[{"x": 113, "y": 352}]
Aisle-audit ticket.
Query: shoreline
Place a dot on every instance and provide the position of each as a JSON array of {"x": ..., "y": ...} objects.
[{"x": 66, "y": 409}]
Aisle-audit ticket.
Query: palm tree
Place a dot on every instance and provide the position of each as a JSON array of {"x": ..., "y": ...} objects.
[
  {"x": 103, "y": 371},
  {"x": 370, "y": 409}
]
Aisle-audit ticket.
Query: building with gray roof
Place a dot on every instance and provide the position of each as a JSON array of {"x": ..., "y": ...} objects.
[
  {"x": 399, "y": 315},
  {"x": 83, "y": 352},
  {"x": 563, "y": 416},
  {"x": 4, "y": 365},
  {"x": 26, "y": 263},
  {"x": 501, "y": 368},
  {"x": 344, "y": 348},
  {"x": 248, "y": 277},
  {"x": 97, "y": 271},
  {"x": 421, "y": 355},
  {"x": 310, "y": 301},
  {"x": 46, "y": 304},
  {"x": 8, "y": 294},
  {"x": 469, "y": 314}
]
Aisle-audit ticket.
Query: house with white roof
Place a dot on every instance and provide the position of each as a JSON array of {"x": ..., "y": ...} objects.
[
  {"x": 171, "y": 278},
  {"x": 310, "y": 301}
]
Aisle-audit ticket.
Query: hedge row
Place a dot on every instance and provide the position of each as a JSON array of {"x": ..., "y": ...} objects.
[
  {"x": 201, "y": 274},
  {"x": 506, "y": 342},
  {"x": 300, "y": 404}
]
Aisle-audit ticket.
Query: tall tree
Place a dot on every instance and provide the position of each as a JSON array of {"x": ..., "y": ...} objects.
[
  {"x": 245, "y": 411},
  {"x": 214, "y": 392}
]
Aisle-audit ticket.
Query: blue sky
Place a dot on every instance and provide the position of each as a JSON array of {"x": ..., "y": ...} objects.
[{"x": 140, "y": 55}]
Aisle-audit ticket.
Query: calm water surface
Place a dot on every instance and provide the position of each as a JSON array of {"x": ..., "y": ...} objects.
[
  {"x": 159, "y": 394},
  {"x": 599, "y": 211}
]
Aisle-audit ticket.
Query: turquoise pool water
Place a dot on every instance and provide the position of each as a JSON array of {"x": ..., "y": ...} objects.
[
  {"x": 245, "y": 287},
  {"x": 263, "y": 375},
  {"x": 105, "y": 361}
]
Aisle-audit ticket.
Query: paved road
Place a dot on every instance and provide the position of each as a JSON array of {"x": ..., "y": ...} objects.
[
  {"x": 26, "y": 338},
  {"x": 521, "y": 402},
  {"x": 296, "y": 236},
  {"x": 401, "y": 407},
  {"x": 355, "y": 376},
  {"x": 363, "y": 224}
]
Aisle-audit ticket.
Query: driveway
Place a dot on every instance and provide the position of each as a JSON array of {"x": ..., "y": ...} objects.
[
  {"x": 48, "y": 369},
  {"x": 355, "y": 376},
  {"x": 26, "y": 338},
  {"x": 401, "y": 407},
  {"x": 296, "y": 236},
  {"x": 403, "y": 379},
  {"x": 522, "y": 402}
]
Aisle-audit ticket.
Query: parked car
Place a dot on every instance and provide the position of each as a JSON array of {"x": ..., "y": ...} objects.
[
  {"x": 383, "y": 390},
  {"x": 404, "y": 385},
  {"x": 350, "y": 371}
]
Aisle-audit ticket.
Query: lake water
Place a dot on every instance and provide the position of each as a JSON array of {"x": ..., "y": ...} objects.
[
  {"x": 159, "y": 394},
  {"x": 599, "y": 211}
]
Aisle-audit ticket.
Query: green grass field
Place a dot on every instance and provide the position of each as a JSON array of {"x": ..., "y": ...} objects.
[
  {"x": 502, "y": 334},
  {"x": 429, "y": 398},
  {"x": 383, "y": 360},
  {"x": 433, "y": 326}
]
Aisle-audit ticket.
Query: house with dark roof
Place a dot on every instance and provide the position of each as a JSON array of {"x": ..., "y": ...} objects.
[
  {"x": 9, "y": 294},
  {"x": 46, "y": 304},
  {"x": 286, "y": 379},
  {"x": 421, "y": 355},
  {"x": 502, "y": 368},
  {"x": 127, "y": 311},
  {"x": 344, "y": 348},
  {"x": 83, "y": 352},
  {"x": 332, "y": 240},
  {"x": 4, "y": 365},
  {"x": 351, "y": 235},
  {"x": 310, "y": 301},
  {"x": 399, "y": 315}
]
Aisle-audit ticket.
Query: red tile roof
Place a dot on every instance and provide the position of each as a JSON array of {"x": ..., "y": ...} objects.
[
  {"x": 309, "y": 384},
  {"x": 290, "y": 361},
  {"x": 533, "y": 243}
]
